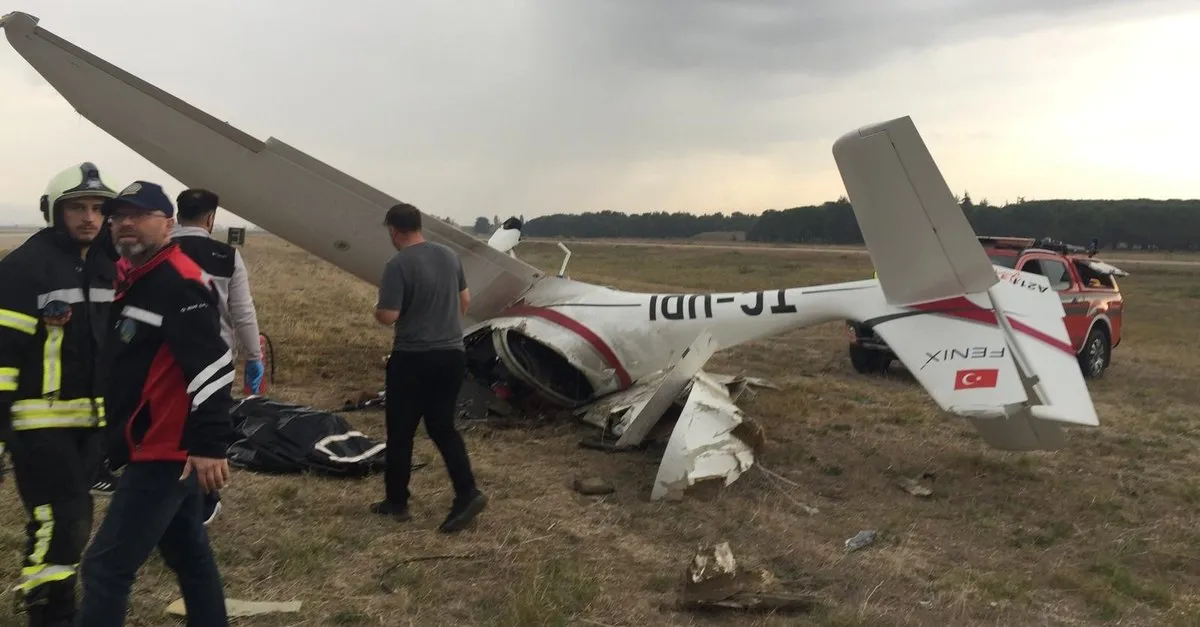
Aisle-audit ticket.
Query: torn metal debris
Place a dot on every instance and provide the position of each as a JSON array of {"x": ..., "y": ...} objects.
[
  {"x": 713, "y": 581},
  {"x": 861, "y": 540},
  {"x": 705, "y": 444}
]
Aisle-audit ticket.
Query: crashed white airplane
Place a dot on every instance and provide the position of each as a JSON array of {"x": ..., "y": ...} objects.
[{"x": 622, "y": 359}]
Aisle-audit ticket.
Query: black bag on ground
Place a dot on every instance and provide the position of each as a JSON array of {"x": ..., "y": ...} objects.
[{"x": 284, "y": 438}]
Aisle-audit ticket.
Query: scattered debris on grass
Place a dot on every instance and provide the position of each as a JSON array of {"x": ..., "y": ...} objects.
[
  {"x": 236, "y": 608},
  {"x": 914, "y": 487},
  {"x": 593, "y": 486},
  {"x": 713, "y": 581},
  {"x": 861, "y": 540}
]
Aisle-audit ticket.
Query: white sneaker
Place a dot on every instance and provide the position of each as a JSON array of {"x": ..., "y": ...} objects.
[{"x": 216, "y": 510}]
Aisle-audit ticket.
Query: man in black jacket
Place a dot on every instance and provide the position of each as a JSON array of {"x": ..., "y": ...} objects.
[
  {"x": 168, "y": 404},
  {"x": 55, "y": 293},
  {"x": 197, "y": 211}
]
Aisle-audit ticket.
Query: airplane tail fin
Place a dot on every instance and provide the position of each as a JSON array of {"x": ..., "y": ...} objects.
[
  {"x": 920, "y": 242},
  {"x": 995, "y": 352}
]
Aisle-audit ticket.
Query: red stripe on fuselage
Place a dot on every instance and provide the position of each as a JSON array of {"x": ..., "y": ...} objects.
[
  {"x": 960, "y": 307},
  {"x": 578, "y": 329}
]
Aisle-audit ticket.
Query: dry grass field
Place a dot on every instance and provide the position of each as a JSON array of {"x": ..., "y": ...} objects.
[{"x": 1103, "y": 532}]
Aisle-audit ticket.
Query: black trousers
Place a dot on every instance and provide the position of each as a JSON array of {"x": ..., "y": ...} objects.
[
  {"x": 54, "y": 469},
  {"x": 151, "y": 508},
  {"x": 425, "y": 384}
]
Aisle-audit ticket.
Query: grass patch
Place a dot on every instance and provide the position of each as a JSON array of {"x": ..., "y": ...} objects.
[
  {"x": 548, "y": 593},
  {"x": 1101, "y": 531}
]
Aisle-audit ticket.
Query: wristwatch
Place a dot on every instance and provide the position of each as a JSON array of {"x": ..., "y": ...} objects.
[{"x": 56, "y": 309}]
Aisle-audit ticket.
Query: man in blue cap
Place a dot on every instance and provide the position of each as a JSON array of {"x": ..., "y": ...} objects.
[{"x": 168, "y": 407}]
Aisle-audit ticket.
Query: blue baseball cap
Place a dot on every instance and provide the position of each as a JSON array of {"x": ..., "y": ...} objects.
[{"x": 143, "y": 195}]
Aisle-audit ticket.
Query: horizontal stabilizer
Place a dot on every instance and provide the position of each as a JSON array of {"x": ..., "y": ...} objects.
[
  {"x": 1015, "y": 377},
  {"x": 1035, "y": 330}
]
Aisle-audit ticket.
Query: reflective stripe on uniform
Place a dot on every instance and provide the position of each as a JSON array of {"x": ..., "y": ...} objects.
[
  {"x": 8, "y": 379},
  {"x": 42, "y": 414},
  {"x": 142, "y": 315},
  {"x": 70, "y": 296},
  {"x": 52, "y": 360},
  {"x": 44, "y": 515},
  {"x": 74, "y": 295},
  {"x": 18, "y": 321},
  {"x": 205, "y": 379},
  {"x": 35, "y": 576}
]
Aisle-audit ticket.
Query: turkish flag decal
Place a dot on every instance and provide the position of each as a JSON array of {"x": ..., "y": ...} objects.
[{"x": 971, "y": 379}]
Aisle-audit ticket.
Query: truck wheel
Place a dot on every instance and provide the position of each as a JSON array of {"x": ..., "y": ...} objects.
[
  {"x": 1096, "y": 353},
  {"x": 867, "y": 361}
]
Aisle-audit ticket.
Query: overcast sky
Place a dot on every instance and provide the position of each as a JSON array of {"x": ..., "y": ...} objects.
[{"x": 531, "y": 107}]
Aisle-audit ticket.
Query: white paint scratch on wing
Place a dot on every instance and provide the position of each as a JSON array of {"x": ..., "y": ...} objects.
[{"x": 704, "y": 445}]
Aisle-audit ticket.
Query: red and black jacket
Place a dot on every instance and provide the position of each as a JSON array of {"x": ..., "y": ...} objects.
[{"x": 169, "y": 372}]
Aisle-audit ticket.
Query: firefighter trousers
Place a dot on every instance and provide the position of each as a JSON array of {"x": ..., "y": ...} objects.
[{"x": 54, "y": 469}]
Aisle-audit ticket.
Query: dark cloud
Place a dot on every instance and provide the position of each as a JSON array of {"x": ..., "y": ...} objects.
[
  {"x": 530, "y": 105},
  {"x": 664, "y": 78},
  {"x": 749, "y": 38}
]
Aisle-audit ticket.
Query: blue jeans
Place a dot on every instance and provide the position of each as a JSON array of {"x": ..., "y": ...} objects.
[{"x": 151, "y": 508}]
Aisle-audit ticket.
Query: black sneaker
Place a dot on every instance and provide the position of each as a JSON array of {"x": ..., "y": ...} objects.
[
  {"x": 462, "y": 514},
  {"x": 105, "y": 483},
  {"x": 387, "y": 508}
]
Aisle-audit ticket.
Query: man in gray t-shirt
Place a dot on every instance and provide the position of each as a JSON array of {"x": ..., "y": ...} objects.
[
  {"x": 416, "y": 282},
  {"x": 423, "y": 293}
]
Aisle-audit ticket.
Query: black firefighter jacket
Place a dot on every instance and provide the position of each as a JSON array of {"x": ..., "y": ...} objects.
[{"x": 54, "y": 308}]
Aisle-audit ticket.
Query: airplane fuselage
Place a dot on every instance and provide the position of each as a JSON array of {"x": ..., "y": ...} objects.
[{"x": 614, "y": 337}]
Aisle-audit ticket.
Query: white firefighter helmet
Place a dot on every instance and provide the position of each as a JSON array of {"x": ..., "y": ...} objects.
[{"x": 74, "y": 182}]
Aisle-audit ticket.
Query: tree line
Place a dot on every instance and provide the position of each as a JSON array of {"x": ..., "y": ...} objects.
[{"x": 1130, "y": 223}]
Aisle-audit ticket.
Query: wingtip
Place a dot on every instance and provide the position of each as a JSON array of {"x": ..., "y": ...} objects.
[
  {"x": 17, "y": 22},
  {"x": 871, "y": 129},
  {"x": 1058, "y": 414}
]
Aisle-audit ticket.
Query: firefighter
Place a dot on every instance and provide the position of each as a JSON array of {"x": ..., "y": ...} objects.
[{"x": 55, "y": 293}]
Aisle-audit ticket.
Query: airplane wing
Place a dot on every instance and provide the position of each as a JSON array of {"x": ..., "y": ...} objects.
[{"x": 271, "y": 184}]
